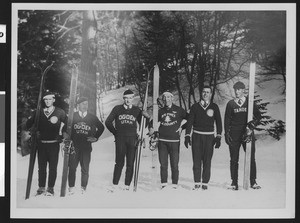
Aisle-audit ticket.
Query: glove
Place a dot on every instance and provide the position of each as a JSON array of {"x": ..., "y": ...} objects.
[
  {"x": 252, "y": 124},
  {"x": 228, "y": 138},
  {"x": 247, "y": 137},
  {"x": 217, "y": 142},
  {"x": 187, "y": 141}
]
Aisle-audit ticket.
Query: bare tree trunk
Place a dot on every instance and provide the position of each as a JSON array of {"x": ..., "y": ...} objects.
[
  {"x": 189, "y": 75},
  {"x": 217, "y": 45},
  {"x": 180, "y": 92},
  {"x": 202, "y": 56},
  {"x": 88, "y": 57},
  {"x": 231, "y": 52},
  {"x": 126, "y": 59}
]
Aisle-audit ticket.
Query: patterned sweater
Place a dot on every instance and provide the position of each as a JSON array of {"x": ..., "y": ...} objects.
[{"x": 170, "y": 121}]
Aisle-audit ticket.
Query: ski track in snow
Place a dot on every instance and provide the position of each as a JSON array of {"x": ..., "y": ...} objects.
[{"x": 271, "y": 175}]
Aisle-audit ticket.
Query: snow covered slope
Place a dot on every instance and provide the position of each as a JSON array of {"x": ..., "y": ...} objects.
[{"x": 216, "y": 202}]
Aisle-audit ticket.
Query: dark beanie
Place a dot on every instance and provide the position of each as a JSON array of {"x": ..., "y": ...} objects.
[
  {"x": 128, "y": 92},
  {"x": 239, "y": 85},
  {"x": 82, "y": 99}
]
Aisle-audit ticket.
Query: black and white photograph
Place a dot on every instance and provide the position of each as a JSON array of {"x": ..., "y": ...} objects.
[
  {"x": 153, "y": 111},
  {"x": 2, "y": 105},
  {"x": 2, "y": 144}
]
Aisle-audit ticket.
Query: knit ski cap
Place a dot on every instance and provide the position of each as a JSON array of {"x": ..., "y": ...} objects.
[
  {"x": 128, "y": 92},
  {"x": 167, "y": 93},
  {"x": 239, "y": 85},
  {"x": 82, "y": 99},
  {"x": 48, "y": 94}
]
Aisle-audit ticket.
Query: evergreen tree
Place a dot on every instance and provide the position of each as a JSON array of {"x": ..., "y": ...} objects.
[{"x": 273, "y": 127}]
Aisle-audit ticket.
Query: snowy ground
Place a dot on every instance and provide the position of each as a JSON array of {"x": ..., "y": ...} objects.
[{"x": 216, "y": 202}]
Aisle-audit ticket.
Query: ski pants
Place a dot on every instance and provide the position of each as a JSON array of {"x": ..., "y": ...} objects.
[
  {"x": 234, "y": 149},
  {"x": 125, "y": 148},
  {"x": 47, "y": 154},
  {"x": 202, "y": 152},
  {"x": 165, "y": 150},
  {"x": 83, "y": 156}
]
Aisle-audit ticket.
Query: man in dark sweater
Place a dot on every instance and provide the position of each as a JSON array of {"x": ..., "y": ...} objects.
[
  {"x": 170, "y": 118},
  {"x": 86, "y": 129},
  {"x": 49, "y": 135},
  {"x": 125, "y": 118},
  {"x": 236, "y": 126},
  {"x": 202, "y": 118}
]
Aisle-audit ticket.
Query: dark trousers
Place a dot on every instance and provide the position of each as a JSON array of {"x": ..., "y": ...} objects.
[
  {"x": 47, "y": 154},
  {"x": 125, "y": 147},
  {"x": 82, "y": 156},
  {"x": 202, "y": 152},
  {"x": 234, "y": 149},
  {"x": 165, "y": 150}
]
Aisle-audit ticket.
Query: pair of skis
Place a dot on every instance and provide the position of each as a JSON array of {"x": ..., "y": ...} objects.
[
  {"x": 141, "y": 132},
  {"x": 34, "y": 140},
  {"x": 67, "y": 147}
]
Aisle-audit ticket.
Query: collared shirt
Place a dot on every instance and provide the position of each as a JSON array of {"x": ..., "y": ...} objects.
[
  {"x": 127, "y": 106},
  {"x": 82, "y": 114},
  {"x": 240, "y": 101},
  {"x": 204, "y": 104},
  {"x": 48, "y": 111}
]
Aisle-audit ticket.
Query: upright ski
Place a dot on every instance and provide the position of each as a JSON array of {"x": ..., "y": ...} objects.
[
  {"x": 33, "y": 144},
  {"x": 141, "y": 139},
  {"x": 247, "y": 162},
  {"x": 67, "y": 148},
  {"x": 154, "y": 137}
]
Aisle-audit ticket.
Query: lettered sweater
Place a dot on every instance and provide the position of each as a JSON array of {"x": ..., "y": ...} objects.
[{"x": 122, "y": 121}]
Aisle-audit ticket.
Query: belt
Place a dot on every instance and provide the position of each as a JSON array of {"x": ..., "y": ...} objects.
[{"x": 49, "y": 141}]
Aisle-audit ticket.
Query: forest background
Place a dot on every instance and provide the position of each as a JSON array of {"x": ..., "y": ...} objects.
[{"x": 117, "y": 48}]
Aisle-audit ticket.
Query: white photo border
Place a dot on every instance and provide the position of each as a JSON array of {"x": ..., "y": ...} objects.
[{"x": 288, "y": 212}]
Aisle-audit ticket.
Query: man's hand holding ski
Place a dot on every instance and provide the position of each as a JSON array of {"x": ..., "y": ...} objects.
[{"x": 187, "y": 141}]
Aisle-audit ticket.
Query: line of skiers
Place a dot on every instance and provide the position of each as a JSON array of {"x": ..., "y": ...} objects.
[{"x": 122, "y": 122}]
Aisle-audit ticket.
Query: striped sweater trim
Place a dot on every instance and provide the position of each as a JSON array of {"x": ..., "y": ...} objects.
[
  {"x": 169, "y": 140},
  {"x": 203, "y": 133}
]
